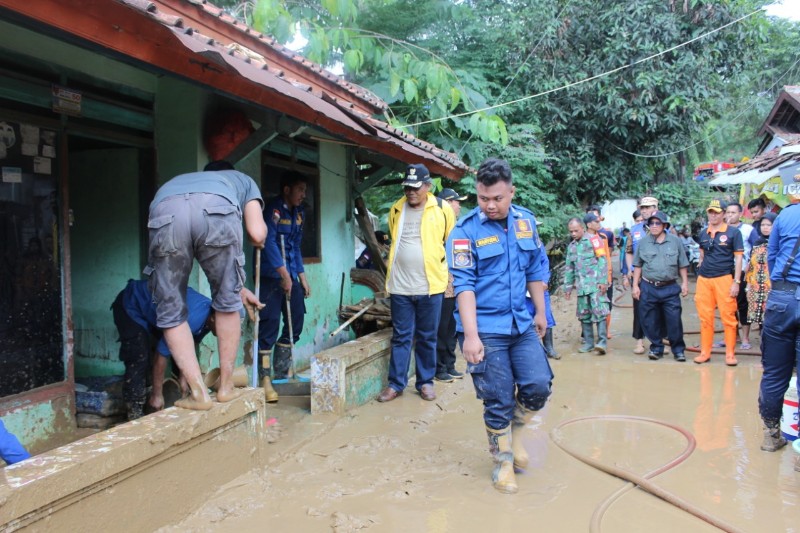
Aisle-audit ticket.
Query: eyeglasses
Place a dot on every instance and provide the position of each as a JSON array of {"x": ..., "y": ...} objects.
[{"x": 654, "y": 223}]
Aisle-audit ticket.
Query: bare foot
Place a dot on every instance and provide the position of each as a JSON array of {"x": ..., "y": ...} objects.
[
  {"x": 197, "y": 401},
  {"x": 226, "y": 395},
  {"x": 156, "y": 403}
]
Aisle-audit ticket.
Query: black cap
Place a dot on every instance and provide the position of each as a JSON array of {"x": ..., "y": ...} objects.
[
  {"x": 661, "y": 216},
  {"x": 416, "y": 176},
  {"x": 590, "y": 217},
  {"x": 450, "y": 194}
]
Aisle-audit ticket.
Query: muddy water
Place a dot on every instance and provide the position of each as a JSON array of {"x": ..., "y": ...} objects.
[{"x": 412, "y": 465}]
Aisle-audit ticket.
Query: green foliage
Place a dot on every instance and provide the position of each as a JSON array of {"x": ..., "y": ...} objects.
[
  {"x": 430, "y": 59},
  {"x": 418, "y": 84}
]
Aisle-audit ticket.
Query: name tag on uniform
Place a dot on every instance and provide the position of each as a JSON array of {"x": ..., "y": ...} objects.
[
  {"x": 522, "y": 227},
  {"x": 486, "y": 240},
  {"x": 462, "y": 256},
  {"x": 597, "y": 244},
  {"x": 287, "y": 221}
]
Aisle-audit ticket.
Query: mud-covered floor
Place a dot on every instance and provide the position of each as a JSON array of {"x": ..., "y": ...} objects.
[{"x": 412, "y": 465}]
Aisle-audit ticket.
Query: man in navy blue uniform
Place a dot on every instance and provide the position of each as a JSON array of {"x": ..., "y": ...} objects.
[
  {"x": 780, "y": 336},
  {"x": 493, "y": 253},
  {"x": 282, "y": 275}
]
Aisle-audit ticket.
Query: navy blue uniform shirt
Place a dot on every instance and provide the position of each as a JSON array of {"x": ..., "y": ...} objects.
[
  {"x": 785, "y": 232},
  {"x": 496, "y": 262},
  {"x": 282, "y": 220}
]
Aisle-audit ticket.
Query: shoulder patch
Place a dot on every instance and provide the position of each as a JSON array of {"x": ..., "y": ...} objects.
[
  {"x": 462, "y": 255},
  {"x": 523, "y": 228},
  {"x": 486, "y": 241},
  {"x": 276, "y": 215}
]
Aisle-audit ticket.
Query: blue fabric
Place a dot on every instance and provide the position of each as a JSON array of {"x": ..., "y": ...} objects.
[
  {"x": 274, "y": 299},
  {"x": 514, "y": 369},
  {"x": 494, "y": 261},
  {"x": 638, "y": 231},
  {"x": 780, "y": 350},
  {"x": 11, "y": 451},
  {"x": 785, "y": 231},
  {"x": 137, "y": 300},
  {"x": 414, "y": 318},
  {"x": 548, "y": 310},
  {"x": 286, "y": 222},
  {"x": 660, "y": 313},
  {"x": 232, "y": 185}
]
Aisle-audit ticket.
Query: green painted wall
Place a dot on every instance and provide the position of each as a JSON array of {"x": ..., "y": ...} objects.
[
  {"x": 337, "y": 257},
  {"x": 105, "y": 248},
  {"x": 72, "y": 59}
]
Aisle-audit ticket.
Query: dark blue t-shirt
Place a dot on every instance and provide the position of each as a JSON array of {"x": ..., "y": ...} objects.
[{"x": 137, "y": 301}]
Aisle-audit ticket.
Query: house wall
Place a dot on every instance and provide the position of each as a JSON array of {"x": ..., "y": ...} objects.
[{"x": 105, "y": 246}]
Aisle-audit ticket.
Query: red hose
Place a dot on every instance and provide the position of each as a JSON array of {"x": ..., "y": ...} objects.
[{"x": 635, "y": 479}]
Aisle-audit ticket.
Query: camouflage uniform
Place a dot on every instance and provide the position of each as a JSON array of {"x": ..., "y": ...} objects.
[{"x": 587, "y": 268}]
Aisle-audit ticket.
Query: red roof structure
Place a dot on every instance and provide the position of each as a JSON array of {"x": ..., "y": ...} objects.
[{"x": 197, "y": 41}]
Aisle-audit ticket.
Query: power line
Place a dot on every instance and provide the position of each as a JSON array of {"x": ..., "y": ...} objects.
[
  {"x": 586, "y": 80},
  {"x": 514, "y": 77},
  {"x": 729, "y": 122}
]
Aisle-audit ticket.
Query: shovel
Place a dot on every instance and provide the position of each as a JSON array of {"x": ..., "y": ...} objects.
[{"x": 294, "y": 385}]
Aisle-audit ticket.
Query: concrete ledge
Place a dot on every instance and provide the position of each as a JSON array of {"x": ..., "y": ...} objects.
[
  {"x": 138, "y": 476},
  {"x": 350, "y": 374}
]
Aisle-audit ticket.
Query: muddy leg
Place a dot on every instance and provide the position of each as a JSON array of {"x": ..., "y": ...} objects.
[{"x": 228, "y": 333}]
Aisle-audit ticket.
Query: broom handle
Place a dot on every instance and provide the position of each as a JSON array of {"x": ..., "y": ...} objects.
[{"x": 254, "y": 382}]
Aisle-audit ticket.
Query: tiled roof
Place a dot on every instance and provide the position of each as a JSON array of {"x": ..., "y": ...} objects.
[{"x": 235, "y": 53}]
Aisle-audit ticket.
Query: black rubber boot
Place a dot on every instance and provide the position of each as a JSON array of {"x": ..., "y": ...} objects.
[
  {"x": 281, "y": 361},
  {"x": 588, "y": 337},
  {"x": 135, "y": 409},
  {"x": 602, "y": 338},
  {"x": 548, "y": 345},
  {"x": 773, "y": 440}
]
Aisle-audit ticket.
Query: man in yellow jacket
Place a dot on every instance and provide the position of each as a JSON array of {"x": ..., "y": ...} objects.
[{"x": 416, "y": 279}]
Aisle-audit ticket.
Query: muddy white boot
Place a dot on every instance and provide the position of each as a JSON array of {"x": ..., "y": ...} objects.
[
  {"x": 270, "y": 394},
  {"x": 500, "y": 447},
  {"x": 522, "y": 417},
  {"x": 773, "y": 440}
]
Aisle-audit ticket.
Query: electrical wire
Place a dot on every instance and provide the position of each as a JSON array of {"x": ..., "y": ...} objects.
[
  {"x": 519, "y": 69},
  {"x": 728, "y": 123},
  {"x": 591, "y": 78}
]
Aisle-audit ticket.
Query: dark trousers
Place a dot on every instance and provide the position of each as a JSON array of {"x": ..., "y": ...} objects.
[
  {"x": 134, "y": 352},
  {"x": 638, "y": 332},
  {"x": 660, "y": 313},
  {"x": 780, "y": 349},
  {"x": 414, "y": 319},
  {"x": 446, "y": 338},
  {"x": 514, "y": 369},
  {"x": 742, "y": 304},
  {"x": 272, "y": 295}
]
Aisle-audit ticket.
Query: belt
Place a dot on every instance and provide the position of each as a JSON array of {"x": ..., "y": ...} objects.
[
  {"x": 659, "y": 283},
  {"x": 784, "y": 286}
]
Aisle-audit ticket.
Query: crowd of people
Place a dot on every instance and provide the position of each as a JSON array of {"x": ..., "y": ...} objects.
[{"x": 480, "y": 281}]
